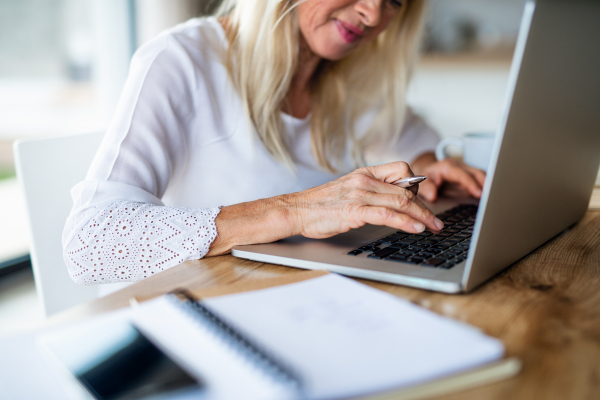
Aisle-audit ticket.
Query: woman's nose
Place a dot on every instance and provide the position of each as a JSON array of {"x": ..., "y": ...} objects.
[{"x": 369, "y": 11}]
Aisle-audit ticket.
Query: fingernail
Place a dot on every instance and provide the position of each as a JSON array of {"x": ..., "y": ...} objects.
[
  {"x": 439, "y": 224},
  {"x": 419, "y": 227}
]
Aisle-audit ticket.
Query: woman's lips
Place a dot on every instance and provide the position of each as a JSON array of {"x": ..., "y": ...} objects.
[{"x": 348, "y": 32}]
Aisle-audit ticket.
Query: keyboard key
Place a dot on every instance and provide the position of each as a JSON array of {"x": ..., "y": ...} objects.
[
  {"x": 426, "y": 255},
  {"x": 433, "y": 251},
  {"x": 397, "y": 258},
  {"x": 420, "y": 245},
  {"x": 437, "y": 238},
  {"x": 417, "y": 260},
  {"x": 400, "y": 235},
  {"x": 411, "y": 261},
  {"x": 398, "y": 246},
  {"x": 455, "y": 252},
  {"x": 415, "y": 237},
  {"x": 446, "y": 256},
  {"x": 444, "y": 234},
  {"x": 434, "y": 262},
  {"x": 451, "y": 230},
  {"x": 409, "y": 250},
  {"x": 383, "y": 253},
  {"x": 447, "y": 243},
  {"x": 354, "y": 252},
  {"x": 463, "y": 235},
  {"x": 428, "y": 242},
  {"x": 439, "y": 247},
  {"x": 407, "y": 241},
  {"x": 370, "y": 249},
  {"x": 424, "y": 234},
  {"x": 459, "y": 259}
]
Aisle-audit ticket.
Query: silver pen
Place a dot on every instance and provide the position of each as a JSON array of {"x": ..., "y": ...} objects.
[{"x": 410, "y": 181}]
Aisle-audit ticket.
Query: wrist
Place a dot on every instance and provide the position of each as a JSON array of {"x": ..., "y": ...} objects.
[
  {"x": 288, "y": 211},
  {"x": 260, "y": 221}
]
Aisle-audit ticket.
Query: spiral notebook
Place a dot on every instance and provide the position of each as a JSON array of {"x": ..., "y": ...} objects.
[{"x": 323, "y": 338}]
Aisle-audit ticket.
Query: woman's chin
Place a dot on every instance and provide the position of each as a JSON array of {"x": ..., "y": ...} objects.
[{"x": 334, "y": 53}]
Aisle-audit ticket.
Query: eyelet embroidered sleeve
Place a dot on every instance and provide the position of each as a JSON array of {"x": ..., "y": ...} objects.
[{"x": 126, "y": 241}]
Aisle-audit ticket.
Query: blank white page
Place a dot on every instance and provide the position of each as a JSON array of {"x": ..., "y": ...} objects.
[{"x": 347, "y": 339}]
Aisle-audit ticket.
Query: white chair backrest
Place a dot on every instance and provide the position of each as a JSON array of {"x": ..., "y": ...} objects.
[{"x": 47, "y": 170}]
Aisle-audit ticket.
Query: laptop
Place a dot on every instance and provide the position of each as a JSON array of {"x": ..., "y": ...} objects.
[{"x": 539, "y": 182}]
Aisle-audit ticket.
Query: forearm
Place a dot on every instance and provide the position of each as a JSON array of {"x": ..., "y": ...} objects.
[
  {"x": 128, "y": 241},
  {"x": 260, "y": 221}
]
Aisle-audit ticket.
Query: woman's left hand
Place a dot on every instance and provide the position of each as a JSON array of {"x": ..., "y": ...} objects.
[{"x": 467, "y": 179}]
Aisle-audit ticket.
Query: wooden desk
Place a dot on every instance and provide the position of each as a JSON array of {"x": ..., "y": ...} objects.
[{"x": 545, "y": 308}]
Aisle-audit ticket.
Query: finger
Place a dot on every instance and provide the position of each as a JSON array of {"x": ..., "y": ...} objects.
[
  {"x": 414, "y": 189},
  {"x": 478, "y": 174},
  {"x": 429, "y": 190},
  {"x": 390, "y": 172},
  {"x": 385, "y": 217},
  {"x": 464, "y": 179},
  {"x": 405, "y": 203}
]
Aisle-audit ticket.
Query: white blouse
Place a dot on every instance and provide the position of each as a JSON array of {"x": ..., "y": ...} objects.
[{"x": 179, "y": 148}]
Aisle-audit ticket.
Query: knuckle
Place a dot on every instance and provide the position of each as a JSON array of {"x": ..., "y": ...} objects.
[
  {"x": 359, "y": 180},
  {"x": 402, "y": 166},
  {"x": 362, "y": 171},
  {"x": 358, "y": 194},
  {"x": 385, "y": 214},
  {"x": 403, "y": 202},
  {"x": 450, "y": 162}
]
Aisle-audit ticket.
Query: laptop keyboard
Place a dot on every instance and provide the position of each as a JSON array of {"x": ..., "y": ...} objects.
[{"x": 442, "y": 250}]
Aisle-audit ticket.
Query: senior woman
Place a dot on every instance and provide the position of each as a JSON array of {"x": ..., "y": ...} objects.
[{"x": 246, "y": 127}]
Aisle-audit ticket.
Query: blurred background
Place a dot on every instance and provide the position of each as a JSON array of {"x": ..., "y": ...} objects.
[{"x": 63, "y": 64}]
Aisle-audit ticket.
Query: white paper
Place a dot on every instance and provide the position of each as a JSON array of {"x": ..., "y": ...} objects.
[
  {"x": 225, "y": 373},
  {"x": 347, "y": 339}
]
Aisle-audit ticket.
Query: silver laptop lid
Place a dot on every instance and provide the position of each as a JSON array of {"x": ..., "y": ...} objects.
[{"x": 547, "y": 151}]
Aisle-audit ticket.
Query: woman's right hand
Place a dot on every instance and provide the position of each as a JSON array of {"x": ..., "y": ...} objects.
[{"x": 364, "y": 196}]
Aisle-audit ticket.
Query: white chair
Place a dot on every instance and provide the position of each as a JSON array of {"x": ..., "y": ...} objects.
[{"x": 47, "y": 170}]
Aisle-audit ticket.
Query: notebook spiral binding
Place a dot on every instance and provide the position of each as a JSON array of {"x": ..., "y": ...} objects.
[{"x": 251, "y": 351}]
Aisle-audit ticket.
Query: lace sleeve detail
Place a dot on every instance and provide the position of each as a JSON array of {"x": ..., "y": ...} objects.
[{"x": 126, "y": 241}]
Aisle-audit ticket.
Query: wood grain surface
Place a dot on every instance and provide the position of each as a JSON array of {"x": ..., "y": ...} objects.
[{"x": 545, "y": 309}]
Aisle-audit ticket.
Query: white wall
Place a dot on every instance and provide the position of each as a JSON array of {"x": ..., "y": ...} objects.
[
  {"x": 154, "y": 16},
  {"x": 457, "y": 97},
  {"x": 113, "y": 50}
]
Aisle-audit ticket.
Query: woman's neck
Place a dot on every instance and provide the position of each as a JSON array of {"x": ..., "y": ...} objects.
[{"x": 297, "y": 99}]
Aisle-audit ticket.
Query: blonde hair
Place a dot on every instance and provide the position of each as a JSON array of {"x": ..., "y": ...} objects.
[{"x": 263, "y": 57}]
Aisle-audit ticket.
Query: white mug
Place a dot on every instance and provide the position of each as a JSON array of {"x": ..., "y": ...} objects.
[{"x": 476, "y": 149}]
